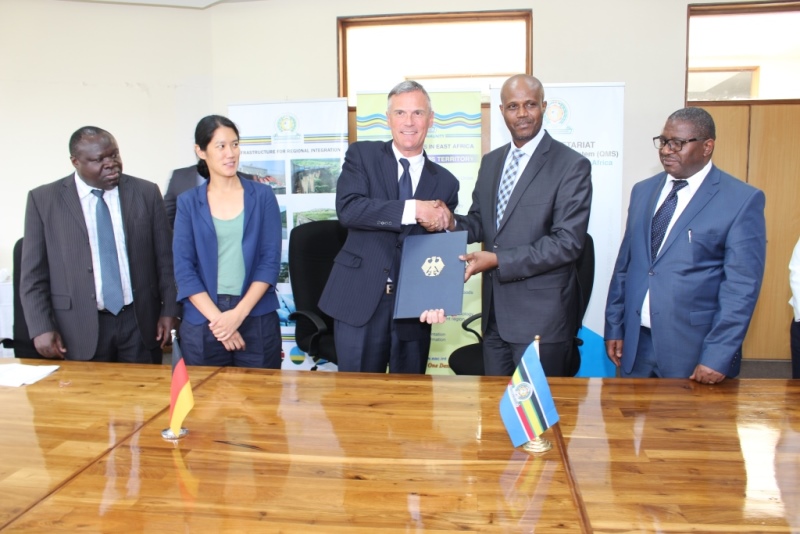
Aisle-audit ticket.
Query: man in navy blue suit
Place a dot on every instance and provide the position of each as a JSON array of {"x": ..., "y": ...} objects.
[
  {"x": 384, "y": 191},
  {"x": 690, "y": 265}
]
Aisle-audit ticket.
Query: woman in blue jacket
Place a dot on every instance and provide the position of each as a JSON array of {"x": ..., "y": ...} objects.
[{"x": 227, "y": 250}]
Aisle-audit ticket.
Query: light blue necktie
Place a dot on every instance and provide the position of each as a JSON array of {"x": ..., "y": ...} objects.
[
  {"x": 109, "y": 263},
  {"x": 507, "y": 184}
]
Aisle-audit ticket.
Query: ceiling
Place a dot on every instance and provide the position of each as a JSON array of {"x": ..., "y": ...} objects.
[{"x": 192, "y": 4}]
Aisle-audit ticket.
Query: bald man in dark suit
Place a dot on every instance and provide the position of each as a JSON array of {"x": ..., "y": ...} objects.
[
  {"x": 75, "y": 306},
  {"x": 530, "y": 208}
]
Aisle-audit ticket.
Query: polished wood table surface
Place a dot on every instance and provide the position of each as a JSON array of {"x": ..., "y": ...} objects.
[
  {"x": 272, "y": 451},
  {"x": 52, "y": 430}
]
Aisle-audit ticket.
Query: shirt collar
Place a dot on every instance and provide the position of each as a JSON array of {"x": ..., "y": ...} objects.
[
  {"x": 85, "y": 189},
  {"x": 531, "y": 146},
  {"x": 414, "y": 161},
  {"x": 694, "y": 182}
]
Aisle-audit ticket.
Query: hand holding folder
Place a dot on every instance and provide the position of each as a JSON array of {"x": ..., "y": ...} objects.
[{"x": 432, "y": 316}]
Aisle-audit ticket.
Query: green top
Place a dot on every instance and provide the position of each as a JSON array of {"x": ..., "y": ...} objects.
[{"x": 230, "y": 258}]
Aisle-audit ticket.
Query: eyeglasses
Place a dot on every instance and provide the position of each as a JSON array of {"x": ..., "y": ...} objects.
[{"x": 675, "y": 145}]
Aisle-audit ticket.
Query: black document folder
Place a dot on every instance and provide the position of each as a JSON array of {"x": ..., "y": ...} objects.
[{"x": 431, "y": 275}]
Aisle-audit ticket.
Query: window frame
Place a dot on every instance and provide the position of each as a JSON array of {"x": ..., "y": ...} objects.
[
  {"x": 699, "y": 10},
  {"x": 345, "y": 23}
]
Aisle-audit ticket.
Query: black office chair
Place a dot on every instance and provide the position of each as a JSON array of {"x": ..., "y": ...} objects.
[
  {"x": 585, "y": 268},
  {"x": 468, "y": 360},
  {"x": 21, "y": 342},
  {"x": 312, "y": 248}
]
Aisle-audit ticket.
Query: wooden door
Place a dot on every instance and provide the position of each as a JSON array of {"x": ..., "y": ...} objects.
[
  {"x": 760, "y": 143},
  {"x": 775, "y": 169}
]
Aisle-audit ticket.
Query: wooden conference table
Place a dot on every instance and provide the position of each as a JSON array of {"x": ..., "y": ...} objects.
[{"x": 298, "y": 451}]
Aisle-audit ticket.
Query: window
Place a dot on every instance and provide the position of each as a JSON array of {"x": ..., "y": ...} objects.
[
  {"x": 446, "y": 51},
  {"x": 744, "y": 51}
]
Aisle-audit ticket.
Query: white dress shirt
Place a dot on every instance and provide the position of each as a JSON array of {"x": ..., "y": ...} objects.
[
  {"x": 89, "y": 206},
  {"x": 415, "y": 166},
  {"x": 794, "y": 281},
  {"x": 684, "y": 196}
]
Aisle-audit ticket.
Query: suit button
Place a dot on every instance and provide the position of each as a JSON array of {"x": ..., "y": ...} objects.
[
  {"x": 386, "y": 271},
  {"x": 496, "y": 245},
  {"x": 399, "y": 245},
  {"x": 651, "y": 273}
]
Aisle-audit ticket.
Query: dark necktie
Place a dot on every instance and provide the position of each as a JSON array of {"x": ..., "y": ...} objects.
[
  {"x": 662, "y": 217},
  {"x": 406, "y": 191},
  {"x": 109, "y": 263},
  {"x": 507, "y": 183}
]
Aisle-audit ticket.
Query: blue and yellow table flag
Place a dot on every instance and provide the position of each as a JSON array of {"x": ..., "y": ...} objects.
[
  {"x": 181, "y": 398},
  {"x": 527, "y": 407}
]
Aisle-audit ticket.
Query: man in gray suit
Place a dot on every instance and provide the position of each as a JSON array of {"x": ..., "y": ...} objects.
[
  {"x": 530, "y": 208},
  {"x": 76, "y": 306}
]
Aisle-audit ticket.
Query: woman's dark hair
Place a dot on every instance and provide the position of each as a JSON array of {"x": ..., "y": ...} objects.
[{"x": 205, "y": 132}]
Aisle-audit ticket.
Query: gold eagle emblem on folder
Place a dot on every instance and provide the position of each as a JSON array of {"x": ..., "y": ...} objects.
[{"x": 433, "y": 266}]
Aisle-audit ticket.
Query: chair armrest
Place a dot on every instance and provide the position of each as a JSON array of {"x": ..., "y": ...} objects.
[
  {"x": 468, "y": 321},
  {"x": 8, "y": 343},
  {"x": 319, "y": 324}
]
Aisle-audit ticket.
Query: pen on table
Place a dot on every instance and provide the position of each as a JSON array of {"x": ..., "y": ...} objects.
[{"x": 690, "y": 236}]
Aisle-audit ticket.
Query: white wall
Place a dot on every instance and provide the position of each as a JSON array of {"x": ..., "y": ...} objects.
[
  {"x": 141, "y": 73},
  {"x": 147, "y": 74}
]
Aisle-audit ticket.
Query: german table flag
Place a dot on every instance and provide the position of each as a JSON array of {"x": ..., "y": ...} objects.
[{"x": 181, "y": 398}]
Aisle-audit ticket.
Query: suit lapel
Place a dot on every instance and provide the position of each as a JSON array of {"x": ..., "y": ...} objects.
[
  {"x": 651, "y": 210},
  {"x": 389, "y": 172},
  {"x": 496, "y": 170},
  {"x": 69, "y": 194},
  {"x": 703, "y": 196},
  {"x": 127, "y": 201},
  {"x": 535, "y": 164},
  {"x": 203, "y": 209},
  {"x": 427, "y": 181},
  {"x": 249, "y": 202}
]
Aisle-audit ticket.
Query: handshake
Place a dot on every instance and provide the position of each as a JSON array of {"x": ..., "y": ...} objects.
[{"x": 435, "y": 216}]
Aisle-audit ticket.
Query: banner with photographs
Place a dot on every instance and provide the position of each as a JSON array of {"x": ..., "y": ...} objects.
[
  {"x": 297, "y": 148},
  {"x": 454, "y": 142}
]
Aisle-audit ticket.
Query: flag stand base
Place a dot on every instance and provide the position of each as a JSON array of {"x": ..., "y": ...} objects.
[
  {"x": 170, "y": 436},
  {"x": 537, "y": 446}
]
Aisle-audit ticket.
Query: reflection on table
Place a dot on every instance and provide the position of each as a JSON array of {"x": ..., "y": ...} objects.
[{"x": 336, "y": 452}]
